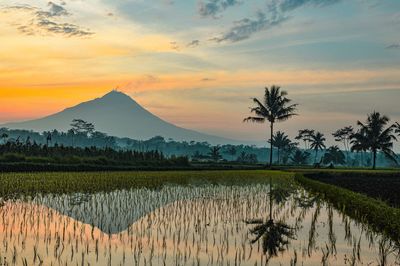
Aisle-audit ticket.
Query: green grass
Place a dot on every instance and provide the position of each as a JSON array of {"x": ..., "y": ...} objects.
[
  {"x": 382, "y": 185},
  {"x": 14, "y": 184},
  {"x": 380, "y": 216}
]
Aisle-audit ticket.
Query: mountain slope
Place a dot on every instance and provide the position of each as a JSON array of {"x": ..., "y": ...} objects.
[{"x": 117, "y": 115}]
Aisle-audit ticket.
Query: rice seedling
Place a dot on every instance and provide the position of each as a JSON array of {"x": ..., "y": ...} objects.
[{"x": 181, "y": 221}]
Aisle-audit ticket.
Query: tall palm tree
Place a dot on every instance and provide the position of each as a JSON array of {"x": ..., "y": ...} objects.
[
  {"x": 280, "y": 140},
  {"x": 275, "y": 107},
  {"x": 376, "y": 135},
  {"x": 317, "y": 143}
]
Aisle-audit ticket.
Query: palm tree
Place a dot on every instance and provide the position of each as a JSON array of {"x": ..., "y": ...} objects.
[
  {"x": 275, "y": 107},
  {"x": 334, "y": 155},
  {"x": 397, "y": 128},
  {"x": 280, "y": 140},
  {"x": 215, "y": 153},
  {"x": 317, "y": 143},
  {"x": 375, "y": 135},
  {"x": 300, "y": 157}
]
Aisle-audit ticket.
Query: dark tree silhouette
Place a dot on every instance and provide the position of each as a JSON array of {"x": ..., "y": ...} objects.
[
  {"x": 305, "y": 135},
  {"x": 334, "y": 155},
  {"x": 48, "y": 139},
  {"x": 375, "y": 135},
  {"x": 215, "y": 153},
  {"x": 317, "y": 143},
  {"x": 299, "y": 157},
  {"x": 280, "y": 140},
  {"x": 344, "y": 135},
  {"x": 4, "y": 136},
  {"x": 275, "y": 107}
]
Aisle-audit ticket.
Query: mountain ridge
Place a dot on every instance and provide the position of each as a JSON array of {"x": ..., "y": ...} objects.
[{"x": 117, "y": 114}]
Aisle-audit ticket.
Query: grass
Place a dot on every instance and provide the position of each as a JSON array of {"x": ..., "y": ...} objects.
[
  {"x": 382, "y": 185},
  {"x": 380, "y": 216},
  {"x": 14, "y": 184}
]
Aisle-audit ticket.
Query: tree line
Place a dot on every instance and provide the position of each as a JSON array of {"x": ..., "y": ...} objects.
[{"x": 373, "y": 137}]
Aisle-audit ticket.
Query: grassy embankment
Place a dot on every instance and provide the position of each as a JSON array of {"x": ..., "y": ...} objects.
[{"x": 378, "y": 214}]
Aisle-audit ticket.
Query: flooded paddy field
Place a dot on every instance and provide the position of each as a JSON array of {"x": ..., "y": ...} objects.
[{"x": 255, "y": 223}]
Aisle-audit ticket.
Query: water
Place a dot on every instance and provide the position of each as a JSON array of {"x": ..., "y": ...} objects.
[{"x": 185, "y": 225}]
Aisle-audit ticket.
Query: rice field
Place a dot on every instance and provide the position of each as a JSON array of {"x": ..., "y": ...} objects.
[{"x": 183, "y": 218}]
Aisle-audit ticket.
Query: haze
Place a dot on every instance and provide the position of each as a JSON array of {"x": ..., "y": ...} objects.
[{"x": 197, "y": 63}]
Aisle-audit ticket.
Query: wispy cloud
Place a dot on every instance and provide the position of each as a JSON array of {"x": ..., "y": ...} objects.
[
  {"x": 277, "y": 12},
  {"x": 212, "y": 8},
  {"x": 393, "y": 46},
  {"x": 193, "y": 44},
  {"x": 246, "y": 27},
  {"x": 47, "y": 22}
]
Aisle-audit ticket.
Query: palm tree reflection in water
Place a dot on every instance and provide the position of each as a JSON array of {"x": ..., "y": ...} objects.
[{"x": 275, "y": 235}]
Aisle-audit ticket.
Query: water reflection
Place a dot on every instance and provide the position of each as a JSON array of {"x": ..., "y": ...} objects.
[{"x": 191, "y": 225}]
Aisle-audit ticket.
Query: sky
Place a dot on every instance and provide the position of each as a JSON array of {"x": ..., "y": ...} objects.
[{"x": 198, "y": 63}]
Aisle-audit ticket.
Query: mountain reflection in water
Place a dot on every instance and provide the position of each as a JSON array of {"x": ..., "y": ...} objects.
[{"x": 186, "y": 225}]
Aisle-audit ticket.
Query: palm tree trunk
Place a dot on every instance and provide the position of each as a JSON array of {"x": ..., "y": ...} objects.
[
  {"x": 279, "y": 157},
  {"x": 316, "y": 154},
  {"x": 270, "y": 153},
  {"x": 374, "y": 159}
]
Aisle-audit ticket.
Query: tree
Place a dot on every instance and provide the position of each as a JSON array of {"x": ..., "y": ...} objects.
[
  {"x": 275, "y": 107},
  {"x": 280, "y": 140},
  {"x": 334, "y": 155},
  {"x": 288, "y": 151},
  {"x": 48, "y": 139},
  {"x": 80, "y": 126},
  {"x": 299, "y": 157},
  {"x": 397, "y": 128},
  {"x": 305, "y": 135},
  {"x": 4, "y": 136},
  {"x": 231, "y": 150},
  {"x": 215, "y": 153},
  {"x": 375, "y": 135},
  {"x": 317, "y": 143},
  {"x": 344, "y": 135}
]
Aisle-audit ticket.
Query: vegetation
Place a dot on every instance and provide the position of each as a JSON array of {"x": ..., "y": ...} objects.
[
  {"x": 334, "y": 155},
  {"x": 376, "y": 213},
  {"x": 13, "y": 152},
  {"x": 381, "y": 185},
  {"x": 375, "y": 135},
  {"x": 275, "y": 107},
  {"x": 14, "y": 184}
]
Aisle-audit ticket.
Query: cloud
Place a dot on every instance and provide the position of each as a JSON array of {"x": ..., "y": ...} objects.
[
  {"x": 174, "y": 46},
  {"x": 211, "y": 8},
  {"x": 290, "y": 5},
  {"x": 276, "y": 13},
  {"x": 193, "y": 44},
  {"x": 246, "y": 27},
  {"x": 393, "y": 46},
  {"x": 47, "y": 22}
]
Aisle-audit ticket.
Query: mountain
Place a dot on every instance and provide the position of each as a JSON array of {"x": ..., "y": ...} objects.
[{"x": 118, "y": 115}]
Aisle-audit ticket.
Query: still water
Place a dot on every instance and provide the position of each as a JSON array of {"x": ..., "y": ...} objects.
[{"x": 186, "y": 225}]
